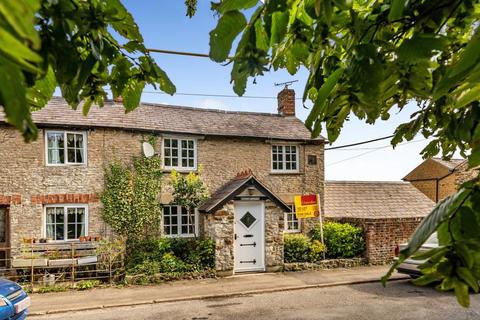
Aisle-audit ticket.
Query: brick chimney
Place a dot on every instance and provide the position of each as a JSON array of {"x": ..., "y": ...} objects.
[{"x": 286, "y": 102}]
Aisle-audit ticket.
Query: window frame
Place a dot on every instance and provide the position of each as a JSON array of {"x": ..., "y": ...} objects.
[
  {"x": 284, "y": 159},
  {"x": 65, "y": 219},
  {"x": 285, "y": 224},
  {"x": 180, "y": 168},
  {"x": 65, "y": 148},
  {"x": 179, "y": 224}
]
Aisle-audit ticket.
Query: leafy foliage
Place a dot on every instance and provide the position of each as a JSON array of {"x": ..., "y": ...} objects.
[
  {"x": 188, "y": 190},
  {"x": 343, "y": 240},
  {"x": 71, "y": 44},
  {"x": 130, "y": 199},
  {"x": 300, "y": 248},
  {"x": 366, "y": 59},
  {"x": 170, "y": 255}
]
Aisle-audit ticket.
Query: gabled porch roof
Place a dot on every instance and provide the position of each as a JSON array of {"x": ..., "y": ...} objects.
[{"x": 236, "y": 186}]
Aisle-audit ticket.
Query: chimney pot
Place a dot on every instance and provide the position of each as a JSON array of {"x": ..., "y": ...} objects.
[{"x": 286, "y": 102}]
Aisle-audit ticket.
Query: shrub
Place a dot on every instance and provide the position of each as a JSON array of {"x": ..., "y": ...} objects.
[
  {"x": 343, "y": 240},
  {"x": 171, "y": 255},
  {"x": 299, "y": 248},
  {"x": 87, "y": 284}
]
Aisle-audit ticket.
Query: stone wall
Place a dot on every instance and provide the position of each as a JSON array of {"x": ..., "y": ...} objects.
[
  {"x": 382, "y": 235},
  {"x": 274, "y": 223},
  {"x": 325, "y": 264},
  {"x": 219, "y": 227},
  {"x": 26, "y": 183}
]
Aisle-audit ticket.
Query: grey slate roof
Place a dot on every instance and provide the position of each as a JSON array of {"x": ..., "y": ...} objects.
[
  {"x": 236, "y": 186},
  {"x": 174, "y": 119},
  {"x": 374, "y": 200}
]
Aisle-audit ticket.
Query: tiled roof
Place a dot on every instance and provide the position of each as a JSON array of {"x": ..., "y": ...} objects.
[
  {"x": 236, "y": 186},
  {"x": 174, "y": 119},
  {"x": 450, "y": 164},
  {"x": 371, "y": 199}
]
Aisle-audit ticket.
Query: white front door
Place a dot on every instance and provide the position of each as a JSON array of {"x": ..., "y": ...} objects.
[{"x": 249, "y": 236}]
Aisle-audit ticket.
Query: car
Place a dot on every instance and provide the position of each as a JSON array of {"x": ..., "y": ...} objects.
[
  {"x": 14, "y": 301},
  {"x": 410, "y": 266}
]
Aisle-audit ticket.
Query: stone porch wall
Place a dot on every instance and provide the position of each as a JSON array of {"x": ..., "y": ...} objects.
[
  {"x": 382, "y": 235},
  {"x": 220, "y": 227}
]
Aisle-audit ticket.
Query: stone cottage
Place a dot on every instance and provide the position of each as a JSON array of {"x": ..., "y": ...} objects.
[
  {"x": 438, "y": 178},
  {"x": 253, "y": 165}
]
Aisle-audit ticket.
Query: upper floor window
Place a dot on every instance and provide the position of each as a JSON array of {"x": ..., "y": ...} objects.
[
  {"x": 292, "y": 223},
  {"x": 180, "y": 153},
  {"x": 65, "y": 222},
  {"x": 178, "y": 223},
  {"x": 66, "y": 147},
  {"x": 284, "y": 158}
]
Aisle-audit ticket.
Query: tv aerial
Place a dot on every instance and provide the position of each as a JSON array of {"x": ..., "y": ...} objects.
[{"x": 286, "y": 84}]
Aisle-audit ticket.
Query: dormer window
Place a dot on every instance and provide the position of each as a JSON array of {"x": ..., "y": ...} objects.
[
  {"x": 65, "y": 148},
  {"x": 180, "y": 154},
  {"x": 284, "y": 158}
]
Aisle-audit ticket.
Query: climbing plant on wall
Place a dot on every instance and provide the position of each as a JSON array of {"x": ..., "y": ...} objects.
[
  {"x": 188, "y": 191},
  {"x": 130, "y": 201}
]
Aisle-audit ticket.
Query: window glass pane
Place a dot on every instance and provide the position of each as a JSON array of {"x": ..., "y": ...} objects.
[
  {"x": 168, "y": 162},
  {"x": 175, "y": 144},
  {"x": 174, "y": 229},
  {"x": 184, "y": 144},
  {"x": 70, "y": 140},
  {"x": 79, "y": 155},
  {"x": 55, "y": 148},
  {"x": 185, "y": 229},
  {"x": 71, "y": 155},
  {"x": 190, "y": 163},
  {"x": 79, "y": 142},
  {"x": 190, "y": 144},
  {"x": 167, "y": 152},
  {"x": 71, "y": 234},
  {"x": 71, "y": 215},
  {"x": 167, "y": 143},
  {"x": 175, "y": 152},
  {"x": 59, "y": 232},
  {"x": 175, "y": 162},
  {"x": 184, "y": 163}
]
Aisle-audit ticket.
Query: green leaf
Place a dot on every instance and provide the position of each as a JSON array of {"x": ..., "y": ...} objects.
[
  {"x": 468, "y": 96},
  {"x": 426, "y": 279},
  {"x": 461, "y": 292},
  {"x": 13, "y": 99},
  {"x": 20, "y": 16},
  {"x": 261, "y": 36},
  {"x": 322, "y": 96},
  {"x": 396, "y": 9},
  {"x": 233, "y": 5},
  {"x": 468, "y": 277},
  {"x": 16, "y": 51},
  {"x": 420, "y": 46},
  {"x": 166, "y": 85},
  {"x": 429, "y": 253},
  {"x": 279, "y": 27},
  {"x": 132, "y": 93},
  {"x": 42, "y": 91},
  {"x": 227, "y": 29},
  {"x": 123, "y": 21},
  {"x": 428, "y": 225},
  {"x": 469, "y": 57}
]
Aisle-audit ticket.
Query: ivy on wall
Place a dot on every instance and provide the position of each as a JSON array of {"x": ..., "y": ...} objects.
[{"x": 130, "y": 200}]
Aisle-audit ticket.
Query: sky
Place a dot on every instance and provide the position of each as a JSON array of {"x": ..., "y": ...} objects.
[{"x": 165, "y": 26}]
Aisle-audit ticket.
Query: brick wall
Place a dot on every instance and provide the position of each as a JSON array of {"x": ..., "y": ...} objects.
[
  {"x": 25, "y": 178},
  {"x": 382, "y": 235}
]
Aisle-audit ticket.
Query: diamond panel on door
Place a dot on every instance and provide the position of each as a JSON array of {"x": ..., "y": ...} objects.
[{"x": 248, "y": 220}]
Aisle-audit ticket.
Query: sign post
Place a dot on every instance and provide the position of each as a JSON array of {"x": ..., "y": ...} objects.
[{"x": 308, "y": 206}]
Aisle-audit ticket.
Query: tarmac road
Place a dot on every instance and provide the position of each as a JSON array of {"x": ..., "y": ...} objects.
[{"x": 399, "y": 300}]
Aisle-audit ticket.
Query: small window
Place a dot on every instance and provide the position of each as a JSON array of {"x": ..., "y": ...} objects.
[
  {"x": 178, "y": 223},
  {"x": 292, "y": 224},
  {"x": 65, "y": 148},
  {"x": 284, "y": 158},
  {"x": 65, "y": 222},
  {"x": 180, "y": 154}
]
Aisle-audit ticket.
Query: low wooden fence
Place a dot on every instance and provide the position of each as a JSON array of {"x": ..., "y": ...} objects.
[{"x": 49, "y": 264}]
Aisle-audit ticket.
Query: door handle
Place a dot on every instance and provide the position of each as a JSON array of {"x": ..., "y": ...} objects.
[{"x": 235, "y": 237}]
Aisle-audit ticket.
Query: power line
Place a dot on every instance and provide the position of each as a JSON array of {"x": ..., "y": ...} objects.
[
  {"x": 371, "y": 151},
  {"x": 359, "y": 143},
  {"x": 181, "y": 53}
]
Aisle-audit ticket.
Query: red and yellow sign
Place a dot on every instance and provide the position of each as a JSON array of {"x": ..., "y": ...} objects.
[{"x": 306, "y": 206}]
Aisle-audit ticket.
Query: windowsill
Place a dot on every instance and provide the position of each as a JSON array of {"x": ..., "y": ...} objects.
[
  {"x": 286, "y": 173},
  {"x": 195, "y": 170},
  {"x": 180, "y": 236},
  {"x": 291, "y": 231},
  {"x": 79, "y": 165}
]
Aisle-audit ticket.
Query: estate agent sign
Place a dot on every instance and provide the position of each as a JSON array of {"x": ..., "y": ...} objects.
[{"x": 307, "y": 206}]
